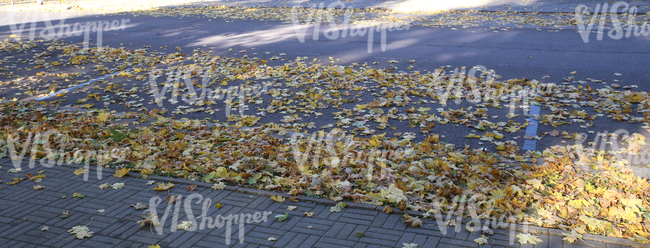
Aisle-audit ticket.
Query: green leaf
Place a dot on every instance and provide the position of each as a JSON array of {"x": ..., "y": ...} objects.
[
  {"x": 359, "y": 234},
  {"x": 282, "y": 217}
]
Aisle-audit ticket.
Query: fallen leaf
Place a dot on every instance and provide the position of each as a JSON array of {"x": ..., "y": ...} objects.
[
  {"x": 282, "y": 217},
  {"x": 163, "y": 186},
  {"x": 190, "y": 188},
  {"x": 78, "y": 195},
  {"x": 219, "y": 186},
  {"x": 171, "y": 199},
  {"x": 483, "y": 240},
  {"x": 37, "y": 187},
  {"x": 79, "y": 171},
  {"x": 486, "y": 230},
  {"x": 291, "y": 208},
  {"x": 139, "y": 206},
  {"x": 81, "y": 232},
  {"x": 278, "y": 198},
  {"x": 309, "y": 214},
  {"x": 271, "y": 239},
  {"x": 572, "y": 237},
  {"x": 121, "y": 172},
  {"x": 117, "y": 185},
  {"x": 387, "y": 209},
  {"x": 528, "y": 238},
  {"x": 184, "y": 225},
  {"x": 409, "y": 245},
  {"x": 414, "y": 221}
]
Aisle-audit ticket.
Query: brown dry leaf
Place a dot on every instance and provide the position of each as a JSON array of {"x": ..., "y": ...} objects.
[
  {"x": 309, "y": 214},
  {"x": 191, "y": 188},
  {"x": 414, "y": 221},
  {"x": 387, "y": 209},
  {"x": 171, "y": 199}
]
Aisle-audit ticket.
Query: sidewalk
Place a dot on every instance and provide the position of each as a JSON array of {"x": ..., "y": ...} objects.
[
  {"x": 24, "y": 211},
  {"x": 551, "y": 6}
]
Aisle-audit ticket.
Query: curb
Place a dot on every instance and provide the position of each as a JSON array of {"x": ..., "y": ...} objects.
[{"x": 369, "y": 207}]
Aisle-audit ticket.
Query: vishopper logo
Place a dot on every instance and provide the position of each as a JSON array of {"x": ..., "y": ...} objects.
[
  {"x": 43, "y": 148},
  {"x": 336, "y": 150},
  {"x": 334, "y": 32},
  {"x": 60, "y": 30},
  {"x": 478, "y": 207},
  {"x": 204, "y": 220},
  {"x": 180, "y": 80},
  {"x": 475, "y": 87},
  {"x": 630, "y": 149},
  {"x": 617, "y": 32}
]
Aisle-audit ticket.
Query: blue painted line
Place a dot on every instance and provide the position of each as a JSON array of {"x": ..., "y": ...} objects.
[
  {"x": 81, "y": 85},
  {"x": 531, "y": 129}
]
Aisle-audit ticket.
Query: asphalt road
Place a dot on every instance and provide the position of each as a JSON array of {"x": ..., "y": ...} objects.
[{"x": 512, "y": 53}]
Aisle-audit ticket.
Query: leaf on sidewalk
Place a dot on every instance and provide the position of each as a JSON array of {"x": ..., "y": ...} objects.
[
  {"x": 282, "y": 217},
  {"x": 79, "y": 171},
  {"x": 121, "y": 172},
  {"x": 81, "y": 232},
  {"x": 117, "y": 185},
  {"x": 163, "y": 186},
  {"x": 483, "y": 240},
  {"x": 414, "y": 221},
  {"x": 278, "y": 198},
  {"x": 190, "y": 188},
  {"x": 572, "y": 237},
  {"x": 528, "y": 238}
]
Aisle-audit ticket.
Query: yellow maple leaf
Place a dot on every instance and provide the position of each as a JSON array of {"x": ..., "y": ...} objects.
[
  {"x": 497, "y": 194},
  {"x": 537, "y": 184},
  {"x": 103, "y": 117},
  {"x": 278, "y": 198},
  {"x": 528, "y": 238},
  {"x": 163, "y": 186},
  {"x": 79, "y": 171},
  {"x": 121, "y": 172}
]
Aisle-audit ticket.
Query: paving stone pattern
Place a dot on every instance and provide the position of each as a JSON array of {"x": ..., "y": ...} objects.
[{"x": 24, "y": 211}]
